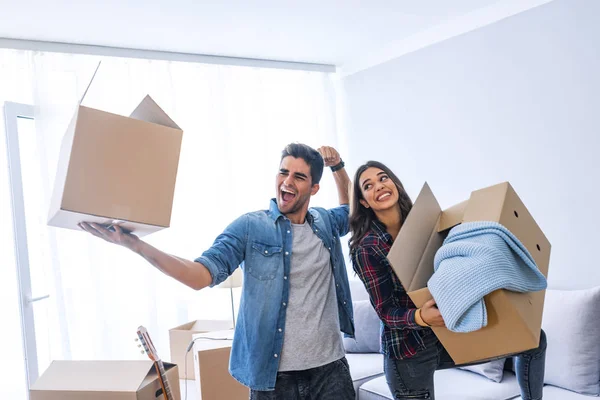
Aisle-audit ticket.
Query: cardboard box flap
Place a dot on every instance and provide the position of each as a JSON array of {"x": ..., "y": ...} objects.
[
  {"x": 501, "y": 203},
  {"x": 212, "y": 325},
  {"x": 205, "y": 326},
  {"x": 486, "y": 204},
  {"x": 149, "y": 111},
  {"x": 483, "y": 205},
  {"x": 425, "y": 268},
  {"x": 116, "y": 376},
  {"x": 185, "y": 327},
  {"x": 152, "y": 375},
  {"x": 452, "y": 216},
  {"x": 516, "y": 218},
  {"x": 90, "y": 83},
  {"x": 411, "y": 251},
  {"x": 62, "y": 168}
]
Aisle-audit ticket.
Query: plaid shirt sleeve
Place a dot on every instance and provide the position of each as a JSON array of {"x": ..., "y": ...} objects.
[{"x": 374, "y": 271}]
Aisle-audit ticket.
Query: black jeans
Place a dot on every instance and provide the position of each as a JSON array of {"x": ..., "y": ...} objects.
[
  {"x": 327, "y": 382},
  {"x": 413, "y": 378}
]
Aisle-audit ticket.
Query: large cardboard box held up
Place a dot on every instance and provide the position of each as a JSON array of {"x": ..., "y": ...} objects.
[
  {"x": 117, "y": 170},
  {"x": 181, "y": 336},
  {"x": 211, "y": 367},
  {"x": 514, "y": 319},
  {"x": 103, "y": 380}
]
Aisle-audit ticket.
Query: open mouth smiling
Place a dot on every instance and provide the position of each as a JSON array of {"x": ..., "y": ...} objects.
[
  {"x": 383, "y": 196},
  {"x": 287, "y": 195}
]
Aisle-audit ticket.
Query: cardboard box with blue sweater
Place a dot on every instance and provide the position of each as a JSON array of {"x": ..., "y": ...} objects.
[{"x": 510, "y": 320}]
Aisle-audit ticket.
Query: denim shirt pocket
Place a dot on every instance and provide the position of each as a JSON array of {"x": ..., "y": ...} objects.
[{"x": 265, "y": 260}]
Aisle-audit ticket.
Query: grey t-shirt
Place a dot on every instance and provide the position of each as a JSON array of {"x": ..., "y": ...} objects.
[{"x": 312, "y": 328}]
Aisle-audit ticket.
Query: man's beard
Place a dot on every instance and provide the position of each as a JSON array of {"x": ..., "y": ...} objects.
[{"x": 298, "y": 205}]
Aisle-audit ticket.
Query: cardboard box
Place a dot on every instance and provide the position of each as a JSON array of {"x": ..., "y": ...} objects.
[
  {"x": 103, "y": 380},
  {"x": 181, "y": 336},
  {"x": 514, "y": 319},
  {"x": 117, "y": 170},
  {"x": 211, "y": 367}
]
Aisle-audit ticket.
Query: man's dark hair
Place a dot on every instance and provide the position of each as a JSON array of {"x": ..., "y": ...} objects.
[{"x": 308, "y": 154}]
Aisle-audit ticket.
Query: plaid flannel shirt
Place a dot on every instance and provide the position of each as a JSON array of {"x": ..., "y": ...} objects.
[{"x": 401, "y": 336}]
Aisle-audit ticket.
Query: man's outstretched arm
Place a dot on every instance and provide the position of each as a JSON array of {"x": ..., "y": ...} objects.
[{"x": 190, "y": 273}]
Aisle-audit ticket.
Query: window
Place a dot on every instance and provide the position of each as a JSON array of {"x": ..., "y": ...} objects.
[{"x": 72, "y": 296}]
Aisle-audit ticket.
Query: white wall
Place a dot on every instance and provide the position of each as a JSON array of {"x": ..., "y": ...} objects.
[{"x": 518, "y": 100}]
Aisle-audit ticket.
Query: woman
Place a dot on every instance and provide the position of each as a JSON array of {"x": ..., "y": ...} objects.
[{"x": 411, "y": 351}]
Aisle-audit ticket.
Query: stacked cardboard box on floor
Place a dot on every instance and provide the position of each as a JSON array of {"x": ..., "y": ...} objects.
[
  {"x": 181, "y": 336},
  {"x": 211, "y": 367}
]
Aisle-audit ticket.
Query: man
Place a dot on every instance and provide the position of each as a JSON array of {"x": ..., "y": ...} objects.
[{"x": 296, "y": 296}]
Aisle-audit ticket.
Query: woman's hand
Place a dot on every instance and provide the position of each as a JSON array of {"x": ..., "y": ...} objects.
[{"x": 430, "y": 314}]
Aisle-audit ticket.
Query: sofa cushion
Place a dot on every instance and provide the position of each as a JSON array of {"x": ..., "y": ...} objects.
[
  {"x": 364, "y": 367},
  {"x": 357, "y": 290},
  {"x": 556, "y": 393},
  {"x": 493, "y": 370},
  {"x": 452, "y": 384},
  {"x": 367, "y": 332},
  {"x": 572, "y": 324}
]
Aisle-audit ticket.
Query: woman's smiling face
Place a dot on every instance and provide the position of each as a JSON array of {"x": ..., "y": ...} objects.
[{"x": 378, "y": 191}]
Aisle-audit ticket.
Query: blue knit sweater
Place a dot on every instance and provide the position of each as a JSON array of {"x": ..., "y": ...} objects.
[{"x": 475, "y": 259}]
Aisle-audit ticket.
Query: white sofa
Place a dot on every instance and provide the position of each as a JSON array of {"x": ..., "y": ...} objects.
[{"x": 572, "y": 326}]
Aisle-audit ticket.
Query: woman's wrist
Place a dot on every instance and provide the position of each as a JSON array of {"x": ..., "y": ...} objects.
[{"x": 419, "y": 319}]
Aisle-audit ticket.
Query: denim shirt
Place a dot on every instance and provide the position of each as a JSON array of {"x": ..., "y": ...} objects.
[{"x": 261, "y": 242}]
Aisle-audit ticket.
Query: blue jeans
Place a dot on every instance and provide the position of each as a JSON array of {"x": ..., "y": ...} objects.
[
  {"x": 413, "y": 378},
  {"x": 328, "y": 382}
]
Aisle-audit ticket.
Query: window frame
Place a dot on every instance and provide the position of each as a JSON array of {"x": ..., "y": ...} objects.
[{"x": 12, "y": 113}]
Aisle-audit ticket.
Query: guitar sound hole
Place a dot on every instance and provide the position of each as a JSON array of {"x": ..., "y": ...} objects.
[{"x": 159, "y": 393}]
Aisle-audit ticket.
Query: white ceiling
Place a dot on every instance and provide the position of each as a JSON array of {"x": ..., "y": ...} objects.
[{"x": 337, "y": 32}]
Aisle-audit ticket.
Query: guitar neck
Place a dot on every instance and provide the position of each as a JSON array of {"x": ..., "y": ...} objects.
[{"x": 164, "y": 382}]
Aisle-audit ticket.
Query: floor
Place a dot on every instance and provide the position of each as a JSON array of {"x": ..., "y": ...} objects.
[{"x": 192, "y": 394}]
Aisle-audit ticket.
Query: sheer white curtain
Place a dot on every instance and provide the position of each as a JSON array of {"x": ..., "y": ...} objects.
[
  {"x": 235, "y": 119},
  {"x": 15, "y": 86}
]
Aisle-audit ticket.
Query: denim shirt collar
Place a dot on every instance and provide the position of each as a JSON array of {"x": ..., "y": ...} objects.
[{"x": 275, "y": 214}]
